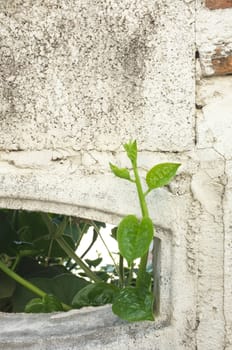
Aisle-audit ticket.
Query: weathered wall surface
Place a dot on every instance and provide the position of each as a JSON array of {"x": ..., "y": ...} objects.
[
  {"x": 78, "y": 79},
  {"x": 81, "y": 75},
  {"x": 214, "y": 132}
]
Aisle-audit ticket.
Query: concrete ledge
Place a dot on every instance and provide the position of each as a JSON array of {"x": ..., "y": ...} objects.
[{"x": 79, "y": 329}]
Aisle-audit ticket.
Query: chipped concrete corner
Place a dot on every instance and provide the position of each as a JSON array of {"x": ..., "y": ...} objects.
[{"x": 78, "y": 79}]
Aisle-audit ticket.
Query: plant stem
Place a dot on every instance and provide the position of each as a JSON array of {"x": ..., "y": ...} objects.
[
  {"x": 83, "y": 231},
  {"x": 64, "y": 245},
  {"x": 121, "y": 269},
  {"x": 90, "y": 246},
  {"x": 142, "y": 271},
  {"x": 27, "y": 284},
  {"x": 130, "y": 274},
  {"x": 17, "y": 260},
  {"x": 147, "y": 192},
  {"x": 145, "y": 213},
  {"x": 143, "y": 204},
  {"x": 49, "y": 252},
  {"x": 21, "y": 280},
  {"x": 109, "y": 252}
]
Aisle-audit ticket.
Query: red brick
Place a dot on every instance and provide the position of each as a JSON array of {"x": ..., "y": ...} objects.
[
  {"x": 218, "y": 4},
  {"x": 222, "y": 64}
]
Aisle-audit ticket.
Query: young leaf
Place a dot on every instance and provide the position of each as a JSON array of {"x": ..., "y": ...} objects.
[
  {"x": 131, "y": 150},
  {"x": 133, "y": 305},
  {"x": 114, "y": 232},
  {"x": 95, "y": 295},
  {"x": 134, "y": 237},
  {"x": 161, "y": 174},
  {"x": 49, "y": 303},
  {"x": 35, "y": 305},
  {"x": 120, "y": 172},
  {"x": 93, "y": 263}
]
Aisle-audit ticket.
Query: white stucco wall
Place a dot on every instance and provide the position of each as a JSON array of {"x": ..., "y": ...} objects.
[
  {"x": 214, "y": 118},
  {"x": 81, "y": 75},
  {"x": 78, "y": 79}
]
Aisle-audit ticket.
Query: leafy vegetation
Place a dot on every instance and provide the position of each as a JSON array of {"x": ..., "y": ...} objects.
[{"x": 41, "y": 272}]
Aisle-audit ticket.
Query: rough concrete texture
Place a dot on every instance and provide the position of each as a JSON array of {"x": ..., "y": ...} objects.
[
  {"x": 85, "y": 329},
  {"x": 78, "y": 80},
  {"x": 214, "y": 117},
  {"x": 81, "y": 74},
  {"x": 228, "y": 255}
]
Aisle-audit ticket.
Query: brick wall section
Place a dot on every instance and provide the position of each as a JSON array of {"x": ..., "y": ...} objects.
[
  {"x": 218, "y": 4},
  {"x": 222, "y": 62},
  {"x": 214, "y": 37}
]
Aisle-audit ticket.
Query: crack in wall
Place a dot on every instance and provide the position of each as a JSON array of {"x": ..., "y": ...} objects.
[
  {"x": 45, "y": 158},
  {"x": 226, "y": 340},
  {"x": 193, "y": 223},
  {"x": 219, "y": 220}
]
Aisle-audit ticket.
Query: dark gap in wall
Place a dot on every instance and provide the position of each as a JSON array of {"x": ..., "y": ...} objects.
[
  {"x": 197, "y": 54},
  {"x": 36, "y": 246},
  {"x": 39, "y": 246},
  {"x": 199, "y": 107}
]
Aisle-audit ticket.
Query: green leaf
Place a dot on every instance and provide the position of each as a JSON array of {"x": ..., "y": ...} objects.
[
  {"x": 29, "y": 268},
  {"x": 7, "y": 232},
  {"x": 94, "y": 238},
  {"x": 120, "y": 172},
  {"x": 161, "y": 174},
  {"x": 52, "y": 303},
  {"x": 114, "y": 232},
  {"x": 95, "y": 295},
  {"x": 132, "y": 305},
  {"x": 75, "y": 230},
  {"x": 93, "y": 263},
  {"x": 40, "y": 230},
  {"x": 74, "y": 227},
  {"x": 134, "y": 237},
  {"x": 131, "y": 150},
  {"x": 35, "y": 305},
  {"x": 5, "y": 305},
  {"x": 64, "y": 287},
  {"x": 49, "y": 303},
  {"x": 7, "y": 286},
  {"x": 103, "y": 275},
  {"x": 31, "y": 226}
]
